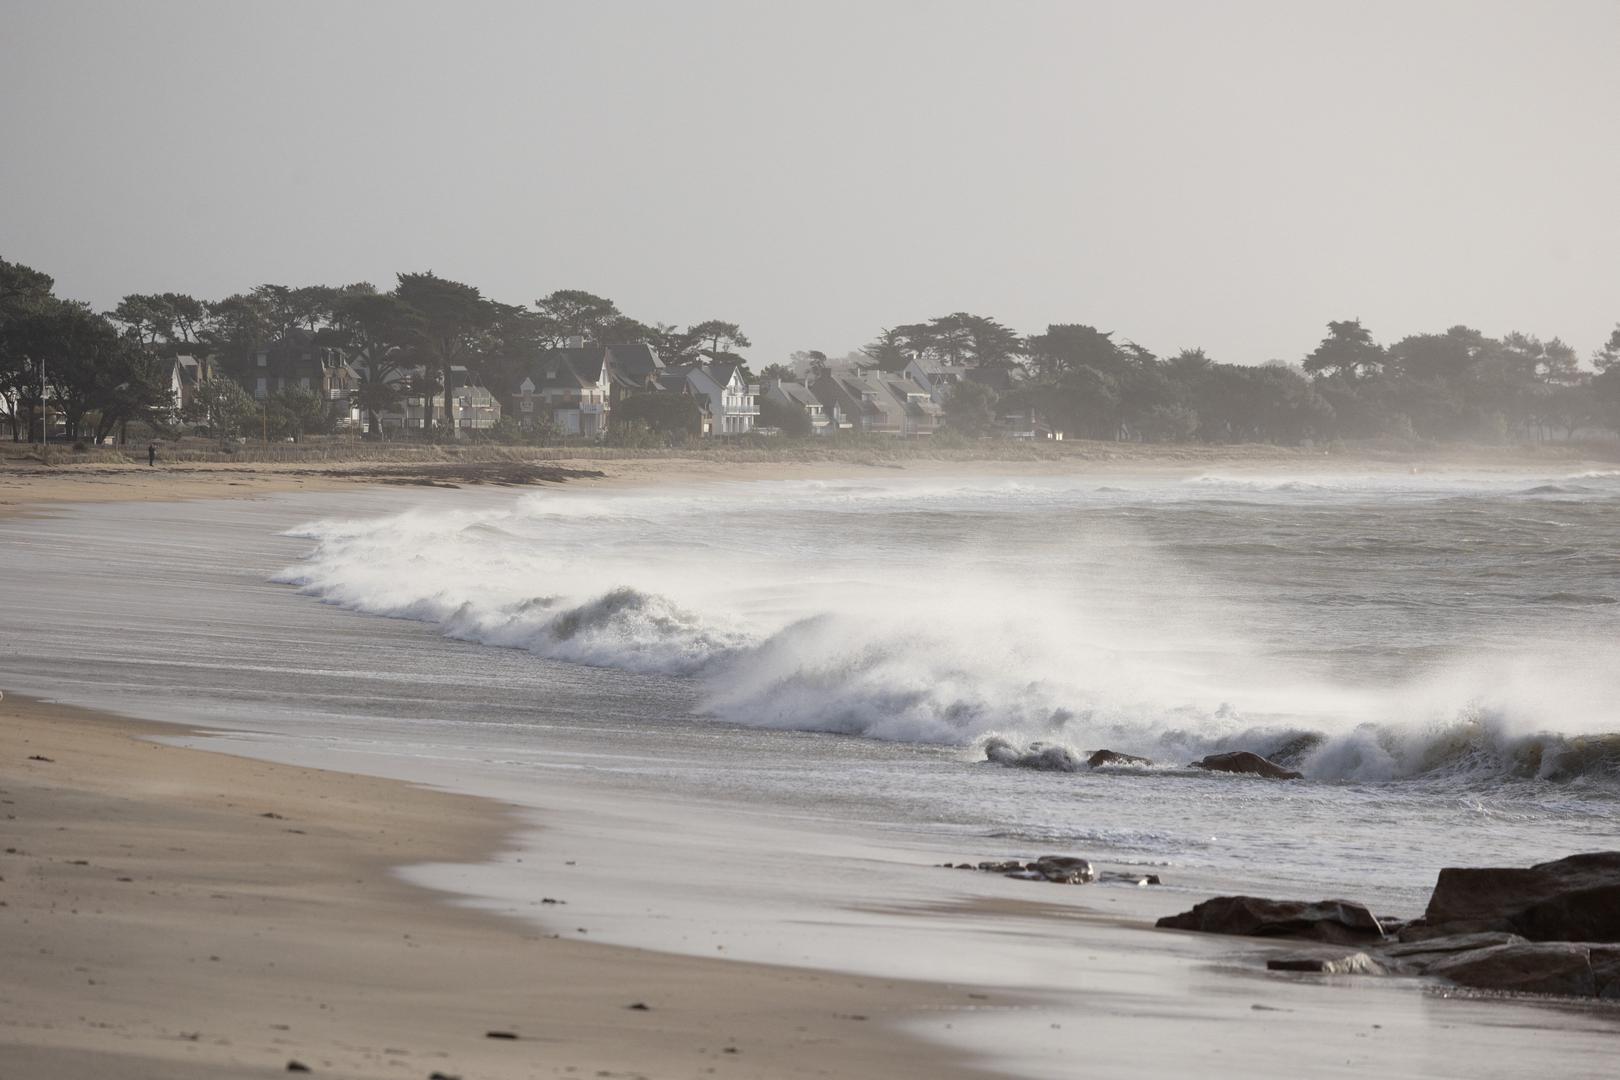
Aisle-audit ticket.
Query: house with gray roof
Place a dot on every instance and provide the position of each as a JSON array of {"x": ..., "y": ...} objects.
[
  {"x": 799, "y": 396},
  {"x": 575, "y": 387}
]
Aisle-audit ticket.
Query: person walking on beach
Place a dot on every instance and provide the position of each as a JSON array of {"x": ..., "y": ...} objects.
[{"x": 151, "y": 453}]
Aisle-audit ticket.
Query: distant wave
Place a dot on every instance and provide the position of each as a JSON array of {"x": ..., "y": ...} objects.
[{"x": 1559, "y": 489}]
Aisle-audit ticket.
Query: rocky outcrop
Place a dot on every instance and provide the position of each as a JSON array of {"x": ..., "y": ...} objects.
[
  {"x": 1553, "y": 928},
  {"x": 1572, "y": 899},
  {"x": 1113, "y": 757},
  {"x": 1242, "y": 761},
  {"x": 1342, "y": 922}
]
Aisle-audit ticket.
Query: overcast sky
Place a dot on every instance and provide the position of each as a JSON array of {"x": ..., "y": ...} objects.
[{"x": 1230, "y": 175}]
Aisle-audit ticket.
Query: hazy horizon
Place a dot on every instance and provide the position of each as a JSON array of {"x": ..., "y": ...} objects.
[{"x": 1181, "y": 174}]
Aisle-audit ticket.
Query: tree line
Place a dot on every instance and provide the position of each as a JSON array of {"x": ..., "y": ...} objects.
[
  {"x": 1452, "y": 385},
  {"x": 104, "y": 369}
]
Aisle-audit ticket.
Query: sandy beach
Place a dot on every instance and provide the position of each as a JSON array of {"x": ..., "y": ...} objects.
[
  {"x": 174, "y": 913},
  {"x": 117, "y": 477}
]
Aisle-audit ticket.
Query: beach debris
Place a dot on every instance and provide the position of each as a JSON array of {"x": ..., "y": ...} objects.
[
  {"x": 1358, "y": 963},
  {"x": 1242, "y": 761},
  {"x": 40, "y": 757},
  {"x": 500, "y": 1034},
  {"x": 273, "y": 815},
  {"x": 1342, "y": 922},
  {"x": 443, "y": 1076},
  {"x": 297, "y": 1066},
  {"x": 639, "y": 1006},
  {"x": 1571, "y": 899},
  {"x": 1113, "y": 757}
]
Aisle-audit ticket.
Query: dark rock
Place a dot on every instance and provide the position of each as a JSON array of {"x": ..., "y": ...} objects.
[
  {"x": 1537, "y": 967},
  {"x": 1064, "y": 869},
  {"x": 1342, "y": 922},
  {"x": 442, "y": 1076},
  {"x": 1242, "y": 761},
  {"x": 1111, "y": 757},
  {"x": 639, "y": 1006},
  {"x": 500, "y": 1034},
  {"x": 1347, "y": 964},
  {"x": 1606, "y": 970},
  {"x": 1572, "y": 899},
  {"x": 297, "y": 1066},
  {"x": 40, "y": 757}
]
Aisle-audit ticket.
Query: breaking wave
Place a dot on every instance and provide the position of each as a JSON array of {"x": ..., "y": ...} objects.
[{"x": 959, "y": 649}]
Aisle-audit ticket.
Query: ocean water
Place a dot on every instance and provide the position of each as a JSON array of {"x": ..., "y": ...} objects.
[{"x": 1439, "y": 654}]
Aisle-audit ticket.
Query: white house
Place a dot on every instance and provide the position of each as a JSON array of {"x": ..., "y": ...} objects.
[
  {"x": 570, "y": 388},
  {"x": 733, "y": 401}
]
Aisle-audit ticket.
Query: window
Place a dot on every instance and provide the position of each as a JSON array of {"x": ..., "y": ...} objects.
[{"x": 263, "y": 360}]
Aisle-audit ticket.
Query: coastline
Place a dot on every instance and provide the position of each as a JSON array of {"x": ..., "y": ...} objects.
[
  {"x": 1124, "y": 988},
  {"x": 189, "y": 913},
  {"x": 27, "y": 486}
]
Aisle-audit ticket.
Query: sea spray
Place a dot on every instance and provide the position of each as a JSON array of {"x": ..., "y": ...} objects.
[{"x": 817, "y": 607}]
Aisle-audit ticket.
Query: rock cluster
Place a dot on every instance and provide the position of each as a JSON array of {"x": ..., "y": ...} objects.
[
  {"x": 1057, "y": 869},
  {"x": 1553, "y": 928}
]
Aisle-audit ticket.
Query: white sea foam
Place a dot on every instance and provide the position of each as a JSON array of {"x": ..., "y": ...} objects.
[{"x": 951, "y": 639}]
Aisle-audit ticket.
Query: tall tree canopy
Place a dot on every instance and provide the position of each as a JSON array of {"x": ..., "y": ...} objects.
[{"x": 451, "y": 321}]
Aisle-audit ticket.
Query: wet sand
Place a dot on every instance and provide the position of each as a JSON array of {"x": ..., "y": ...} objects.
[{"x": 176, "y": 913}]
